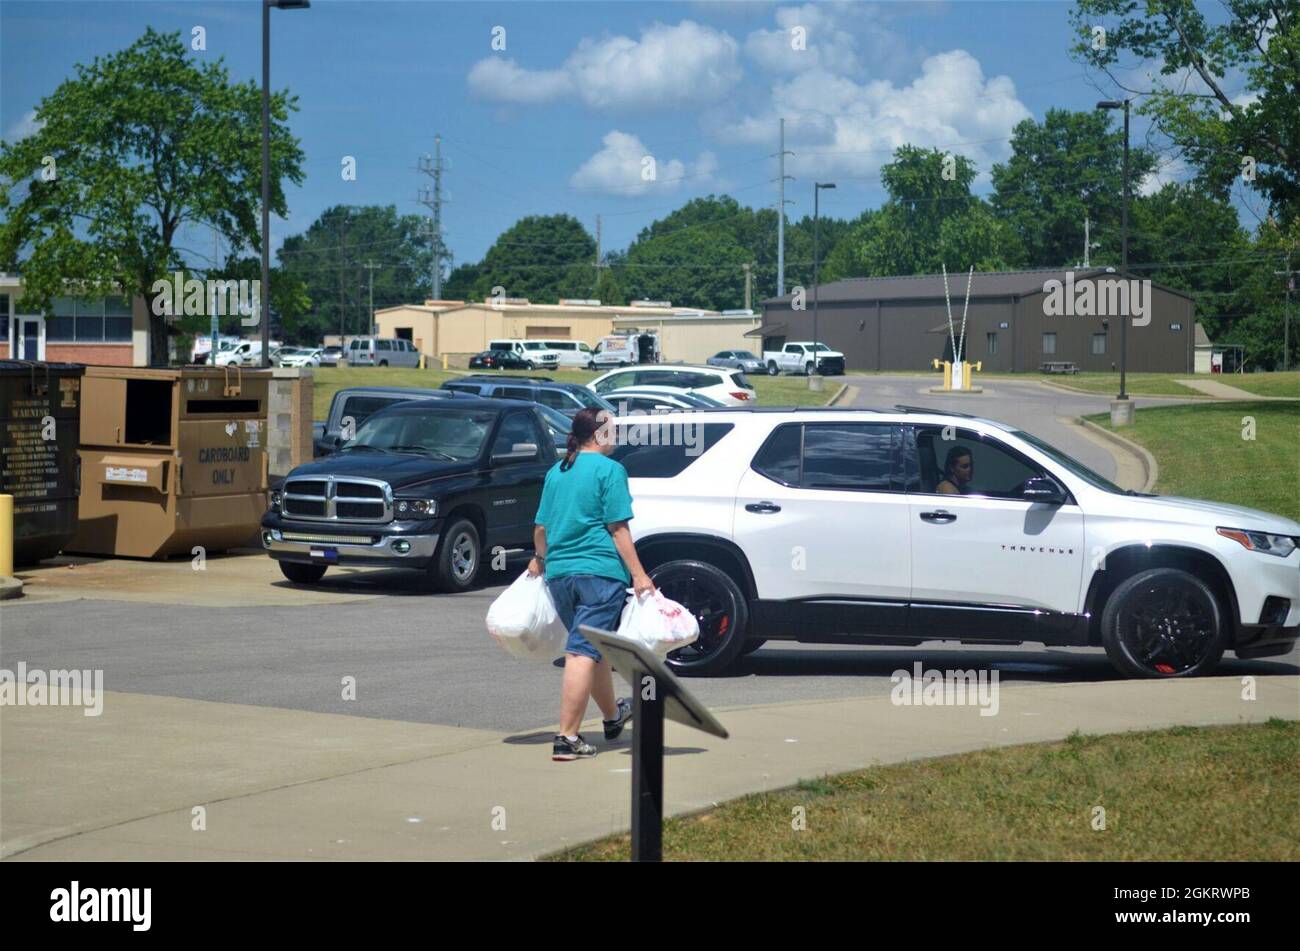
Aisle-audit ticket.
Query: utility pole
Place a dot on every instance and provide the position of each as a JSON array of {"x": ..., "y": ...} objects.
[
  {"x": 370, "y": 266},
  {"x": 596, "y": 286},
  {"x": 749, "y": 285},
  {"x": 1289, "y": 274},
  {"x": 780, "y": 215},
  {"x": 343, "y": 307},
  {"x": 1087, "y": 246},
  {"x": 432, "y": 199}
]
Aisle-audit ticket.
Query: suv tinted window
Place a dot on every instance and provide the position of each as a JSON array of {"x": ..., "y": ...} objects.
[
  {"x": 515, "y": 393},
  {"x": 852, "y": 456},
  {"x": 616, "y": 381},
  {"x": 663, "y": 449},
  {"x": 463, "y": 388},
  {"x": 996, "y": 471},
  {"x": 360, "y": 408},
  {"x": 556, "y": 399},
  {"x": 779, "y": 457}
]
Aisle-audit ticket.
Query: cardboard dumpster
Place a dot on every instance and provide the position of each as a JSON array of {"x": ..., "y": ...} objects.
[
  {"x": 40, "y": 406},
  {"x": 171, "y": 460}
]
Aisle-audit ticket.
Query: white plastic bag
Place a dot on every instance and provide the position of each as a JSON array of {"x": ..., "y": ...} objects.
[
  {"x": 523, "y": 620},
  {"x": 659, "y": 623}
]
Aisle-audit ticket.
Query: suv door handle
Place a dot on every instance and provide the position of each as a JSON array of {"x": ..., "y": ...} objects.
[
  {"x": 939, "y": 515},
  {"x": 763, "y": 508}
]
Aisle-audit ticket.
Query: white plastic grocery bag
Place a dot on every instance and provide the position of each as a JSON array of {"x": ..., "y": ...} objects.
[
  {"x": 659, "y": 623},
  {"x": 523, "y": 620}
]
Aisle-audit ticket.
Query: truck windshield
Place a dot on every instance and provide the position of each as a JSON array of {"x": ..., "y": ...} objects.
[{"x": 457, "y": 434}]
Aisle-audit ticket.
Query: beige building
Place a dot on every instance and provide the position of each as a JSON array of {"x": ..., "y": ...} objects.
[{"x": 457, "y": 329}]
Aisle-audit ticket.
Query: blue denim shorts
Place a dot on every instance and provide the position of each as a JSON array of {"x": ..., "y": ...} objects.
[{"x": 590, "y": 600}]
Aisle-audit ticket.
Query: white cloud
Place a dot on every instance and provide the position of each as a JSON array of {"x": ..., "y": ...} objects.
[
  {"x": 836, "y": 124},
  {"x": 27, "y": 125},
  {"x": 669, "y": 66},
  {"x": 1167, "y": 170},
  {"x": 625, "y": 167},
  {"x": 808, "y": 38}
]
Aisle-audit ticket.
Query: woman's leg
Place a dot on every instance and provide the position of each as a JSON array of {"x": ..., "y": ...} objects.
[{"x": 579, "y": 671}]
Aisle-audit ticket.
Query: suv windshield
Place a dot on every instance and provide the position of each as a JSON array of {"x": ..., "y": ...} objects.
[
  {"x": 1068, "y": 462},
  {"x": 535, "y": 346},
  {"x": 456, "y": 434}
]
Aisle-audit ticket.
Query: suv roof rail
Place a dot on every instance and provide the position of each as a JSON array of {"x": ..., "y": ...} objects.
[
  {"x": 504, "y": 376},
  {"x": 938, "y": 412}
]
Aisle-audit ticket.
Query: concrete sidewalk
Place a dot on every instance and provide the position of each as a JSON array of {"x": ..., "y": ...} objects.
[
  {"x": 286, "y": 784},
  {"x": 1225, "y": 392}
]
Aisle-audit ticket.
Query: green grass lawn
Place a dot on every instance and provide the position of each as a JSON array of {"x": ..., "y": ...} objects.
[
  {"x": 1185, "y": 794},
  {"x": 1202, "y": 453},
  {"x": 772, "y": 390},
  {"x": 1264, "y": 384},
  {"x": 1139, "y": 384}
]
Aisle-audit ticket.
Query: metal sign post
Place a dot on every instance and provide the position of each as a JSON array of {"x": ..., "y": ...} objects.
[{"x": 658, "y": 695}]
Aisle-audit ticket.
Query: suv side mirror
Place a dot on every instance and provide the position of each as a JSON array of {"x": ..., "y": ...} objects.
[
  {"x": 1043, "y": 489},
  {"x": 519, "y": 452}
]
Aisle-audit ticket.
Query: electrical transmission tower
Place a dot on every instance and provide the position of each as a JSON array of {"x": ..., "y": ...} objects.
[{"x": 432, "y": 198}]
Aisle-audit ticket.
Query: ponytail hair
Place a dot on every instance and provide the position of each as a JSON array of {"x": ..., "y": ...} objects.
[{"x": 586, "y": 423}]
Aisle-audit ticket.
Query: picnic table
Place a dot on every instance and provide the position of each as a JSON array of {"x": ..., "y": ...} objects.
[{"x": 1057, "y": 366}]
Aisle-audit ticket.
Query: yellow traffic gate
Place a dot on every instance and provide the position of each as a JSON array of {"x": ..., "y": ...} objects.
[{"x": 171, "y": 460}]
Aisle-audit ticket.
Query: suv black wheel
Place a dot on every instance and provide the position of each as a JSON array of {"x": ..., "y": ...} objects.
[
  {"x": 456, "y": 564},
  {"x": 529, "y": 365},
  {"x": 1163, "y": 622},
  {"x": 773, "y": 369},
  {"x": 718, "y": 605},
  {"x": 302, "y": 574},
  {"x": 753, "y": 644}
]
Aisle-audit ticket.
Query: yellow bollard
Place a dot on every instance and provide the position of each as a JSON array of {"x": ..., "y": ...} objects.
[
  {"x": 422, "y": 363},
  {"x": 444, "y": 361},
  {"x": 6, "y": 536}
]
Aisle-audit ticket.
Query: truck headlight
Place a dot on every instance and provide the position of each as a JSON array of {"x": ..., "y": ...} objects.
[
  {"x": 422, "y": 508},
  {"x": 275, "y": 500},
  {"x": 1280, "y": 545}
]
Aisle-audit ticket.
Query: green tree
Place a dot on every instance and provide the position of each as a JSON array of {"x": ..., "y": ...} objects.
[
  {"x": 329, "y": 261},
  {"x": 929, "y": 221},
  {"x": 139, "y": 144},
  {"x": 1219, "y": 133},
  {"x": 1065, "y": 168},
  {"x": 541, "y": 257},
  {"x": 693, "y": 256}
]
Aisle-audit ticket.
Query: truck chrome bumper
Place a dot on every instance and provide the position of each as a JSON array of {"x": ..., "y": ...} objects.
[{"x": 314, "y": 547}]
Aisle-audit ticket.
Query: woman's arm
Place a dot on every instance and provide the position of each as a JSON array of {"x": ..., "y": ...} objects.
[
  {"x": 538, "y": 561},
  {"x": 622, "y": 535}
]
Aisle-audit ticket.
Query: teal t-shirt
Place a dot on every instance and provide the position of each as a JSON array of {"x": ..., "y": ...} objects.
[{"x": 575, "y": 508}]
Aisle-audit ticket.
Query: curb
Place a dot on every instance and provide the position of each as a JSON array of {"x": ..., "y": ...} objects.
[
  {"x": 1191, "y": 397},
  {"x": 10, "y": 588},
  {"x": 844, "y": 393},
  {"x": 1148, "y": 461}
]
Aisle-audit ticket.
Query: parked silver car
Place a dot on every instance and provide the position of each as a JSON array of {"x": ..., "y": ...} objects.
[{"x": 736, "y": 359}]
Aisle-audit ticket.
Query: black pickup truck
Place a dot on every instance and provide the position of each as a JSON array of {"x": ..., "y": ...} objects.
[{"x": 433, "y": 485}]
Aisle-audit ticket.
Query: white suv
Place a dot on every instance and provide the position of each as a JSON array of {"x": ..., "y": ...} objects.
[
  {"x": 828, "y": 526},
  {"x": 729, "y": 387}
]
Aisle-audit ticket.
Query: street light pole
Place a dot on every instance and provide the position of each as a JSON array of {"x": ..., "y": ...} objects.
[
  {"x": 817, "y": 190},
  {"x": 1121, "y": 415},
  {"x": 264, "y": 297}
]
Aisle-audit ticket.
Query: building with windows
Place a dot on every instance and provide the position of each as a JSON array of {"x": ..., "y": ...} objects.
[
  {"x": 459, "y": 329},
  {"x": 1017, "y": 321},
  {"x": 107, "y": 331}
]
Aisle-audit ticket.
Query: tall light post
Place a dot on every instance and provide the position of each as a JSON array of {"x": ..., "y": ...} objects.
[
  {"x": 1123, "y": 413},
  {"x": 814, "y": 381},
  {"x": 264, "y": 297}
]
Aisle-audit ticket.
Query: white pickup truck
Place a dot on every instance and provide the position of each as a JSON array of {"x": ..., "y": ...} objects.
[{"x": 798, "y": 358}]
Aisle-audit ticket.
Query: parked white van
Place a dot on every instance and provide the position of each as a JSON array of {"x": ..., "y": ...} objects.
[
  {"x": 381, "y": 352},
  {"x": 574, "y": 354},
  {"x": 535, "y": 352}
]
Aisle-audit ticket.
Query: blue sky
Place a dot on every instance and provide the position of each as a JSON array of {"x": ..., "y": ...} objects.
[{"x": 564, "y": 117}]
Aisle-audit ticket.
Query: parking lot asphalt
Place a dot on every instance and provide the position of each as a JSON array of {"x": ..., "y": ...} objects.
[{"x": 427, "y": 658}]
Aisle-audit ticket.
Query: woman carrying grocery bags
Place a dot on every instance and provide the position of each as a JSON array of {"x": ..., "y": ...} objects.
[{"x": 585, "y": 549}]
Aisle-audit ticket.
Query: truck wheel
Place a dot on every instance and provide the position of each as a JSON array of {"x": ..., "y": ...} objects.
[
  {"x": 719, "y": 606},
  {"x": 808, "y": 368},
  {"x": 591, "y": 364},
  {"x": 456, "y": 564},
  {"x": 529, "y": 365},
  {"x": 773, "y": 369},
  {"x": 1163, "y": 622},
  {"x": 383, "y": 363},
  {"x": 299, "y": 573}
]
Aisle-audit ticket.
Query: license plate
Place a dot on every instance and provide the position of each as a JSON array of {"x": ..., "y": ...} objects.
[{"x": 325, "y": 554}]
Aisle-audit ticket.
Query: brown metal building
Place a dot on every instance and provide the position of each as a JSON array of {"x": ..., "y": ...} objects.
[{"x": 1017, "y": 321}]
